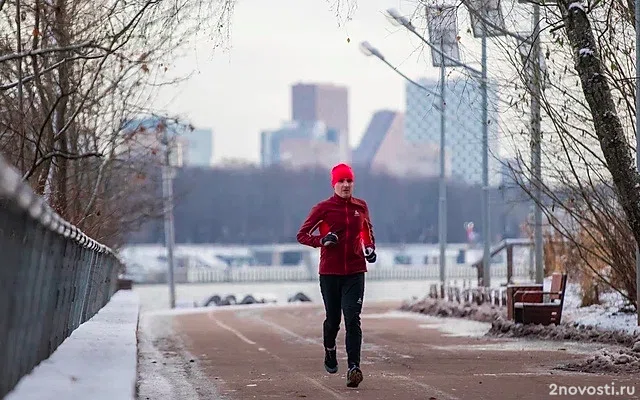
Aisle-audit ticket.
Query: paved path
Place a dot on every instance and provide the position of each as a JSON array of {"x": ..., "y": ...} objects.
[{"x": 276, "y": 353}]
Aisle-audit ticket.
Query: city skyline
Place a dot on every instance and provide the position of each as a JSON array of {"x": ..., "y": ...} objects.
[{"x": 243, "y": 91}]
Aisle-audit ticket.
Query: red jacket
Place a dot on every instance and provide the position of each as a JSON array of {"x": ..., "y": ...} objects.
[{"x": 347, "y": 218}]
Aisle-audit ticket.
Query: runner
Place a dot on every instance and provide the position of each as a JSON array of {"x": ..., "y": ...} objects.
[{"x": 346, "y": 240}]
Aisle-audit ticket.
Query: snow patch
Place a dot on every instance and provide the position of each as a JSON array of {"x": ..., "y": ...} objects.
[
  {"x": 621, "y": 361},
  {"x": 586, "y": 52},
  {"x": 576, "y": 5},
  {"x": 442, "y": 308},
  {"x": 98, "y": 360},
  {"x": 613, "y": 314}
]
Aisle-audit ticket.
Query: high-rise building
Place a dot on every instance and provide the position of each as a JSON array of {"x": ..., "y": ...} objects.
[
  {"x": 299, "y": 144},
  {"x": 199, "y": 147},
  {"x": 463, "y": 130},
  {"x": 384, "y": 148},
  {"x": 326, "y": 103}
]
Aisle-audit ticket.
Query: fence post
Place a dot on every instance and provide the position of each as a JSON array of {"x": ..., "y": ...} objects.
[{"x": 509, "y": 264}]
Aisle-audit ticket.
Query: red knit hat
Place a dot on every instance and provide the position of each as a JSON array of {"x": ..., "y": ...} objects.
[{"x": 340, "y": 172}]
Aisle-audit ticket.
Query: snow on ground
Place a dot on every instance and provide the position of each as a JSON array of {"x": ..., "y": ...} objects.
[
  {"x": 166, "y": 369},
  {"x": 98, "y": 360},
  {"x": 616, "y": 331},
  {"x": 607, "y": 316}
]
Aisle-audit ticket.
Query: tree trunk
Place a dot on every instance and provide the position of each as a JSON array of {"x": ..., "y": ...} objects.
[{"x": 608, "y": 127}]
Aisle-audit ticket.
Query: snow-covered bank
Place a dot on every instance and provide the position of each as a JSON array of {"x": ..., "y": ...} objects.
[
  {"x": 608, "y": 323},
  {"x": 98, "y": 360},
  {"x": 443, "y": 308},
  {"x": 612, "y": 315}
]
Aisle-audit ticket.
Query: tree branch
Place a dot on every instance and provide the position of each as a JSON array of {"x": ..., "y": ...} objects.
[{"x": 40, "y": 52}]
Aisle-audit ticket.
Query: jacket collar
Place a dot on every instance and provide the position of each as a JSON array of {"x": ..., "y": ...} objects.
[{"x": 340, "y": 199}]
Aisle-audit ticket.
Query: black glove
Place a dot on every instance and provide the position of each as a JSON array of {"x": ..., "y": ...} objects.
[
  {"x": 330, "y": 239},
  {"x": 370, "y": 254}
]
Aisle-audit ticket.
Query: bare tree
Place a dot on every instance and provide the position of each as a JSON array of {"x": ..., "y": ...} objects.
[
  {"x": 74, "y": 74},
  {"x": 591, "y": 198},
  {"x": 590, "y": 186}
]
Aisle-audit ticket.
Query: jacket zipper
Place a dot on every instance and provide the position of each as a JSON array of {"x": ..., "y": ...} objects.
[{"x": 346, "y": 236}]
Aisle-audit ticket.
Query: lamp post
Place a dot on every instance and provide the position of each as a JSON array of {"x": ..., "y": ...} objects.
[
  {"x": 483, "y": 11},
  {"x": 369, "y": 50},
  {"x": 535, "y": 84},
  {"x": 442, "y": 22},
  {"x": 491, "y": 23},
  {"x": 167, "y": 193},
  {"x": 442, "y": 30},
  {"x": 486, "y": 232}
]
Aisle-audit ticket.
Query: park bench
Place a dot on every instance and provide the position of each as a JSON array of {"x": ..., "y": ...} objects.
[{"x": 538, "y": 306}]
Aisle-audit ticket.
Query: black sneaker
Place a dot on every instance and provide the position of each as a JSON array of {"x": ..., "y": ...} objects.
[
  {"x": 330, "y": 361},
  {"x": 354, "y": 376}
]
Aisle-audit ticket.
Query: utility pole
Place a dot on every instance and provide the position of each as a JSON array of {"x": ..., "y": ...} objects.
[
  {"x": 442, "y": 203},
  {"x": 536, "y": 138},
  {"x": 486, "y": 232},
  {"x": 167, "y": 192}
]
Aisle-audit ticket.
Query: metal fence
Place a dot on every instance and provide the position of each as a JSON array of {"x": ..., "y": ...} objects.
[
  {"x": 301, "y": 273},
  {"x": 52, "y": 279}
]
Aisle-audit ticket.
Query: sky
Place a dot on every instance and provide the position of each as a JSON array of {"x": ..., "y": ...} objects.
[{"x": 274, "y": 44}]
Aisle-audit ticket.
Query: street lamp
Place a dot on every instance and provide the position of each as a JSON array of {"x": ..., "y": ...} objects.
[
  {"x": 443, "y": 26},
  {"x": 487, "y": 20},
  {"x": 396, "y": 19},
  {"x": 442, "y": 30},
  {"x": 369, "y": 50},
  {"x": 488, "y": 9}
]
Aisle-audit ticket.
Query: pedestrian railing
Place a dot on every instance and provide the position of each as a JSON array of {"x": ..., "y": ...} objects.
[
  {"x": 303, "y": 273},
  {"x": 52, "y": 278}
]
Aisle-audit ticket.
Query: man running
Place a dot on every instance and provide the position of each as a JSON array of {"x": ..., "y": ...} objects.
[{"x": 345, "y": 228}]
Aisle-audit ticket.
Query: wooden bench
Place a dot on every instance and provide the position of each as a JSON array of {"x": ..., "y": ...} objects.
[
  {"x": 540, "y": 307},
  {"x": 512, "y": 289}
]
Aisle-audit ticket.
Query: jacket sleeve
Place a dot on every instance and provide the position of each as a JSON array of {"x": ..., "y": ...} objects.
[
  {"x": 311, "y": 223},
  {"x": 368, "y": 238}
]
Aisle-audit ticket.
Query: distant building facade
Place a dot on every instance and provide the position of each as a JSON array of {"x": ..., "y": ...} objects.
[
  {"x": 199, "y": 147},
  {"x": 384, "y": 148},
  {"x": 463, "y": 113},
  {"x": 300, "y": 144},
  {"x": 326, "y": 103}
]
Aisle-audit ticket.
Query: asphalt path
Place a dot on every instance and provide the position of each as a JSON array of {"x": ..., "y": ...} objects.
[{"x": 275, "y": 352}]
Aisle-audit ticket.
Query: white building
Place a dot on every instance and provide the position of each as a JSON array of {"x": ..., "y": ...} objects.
[{"x": 199, "y": 152}]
